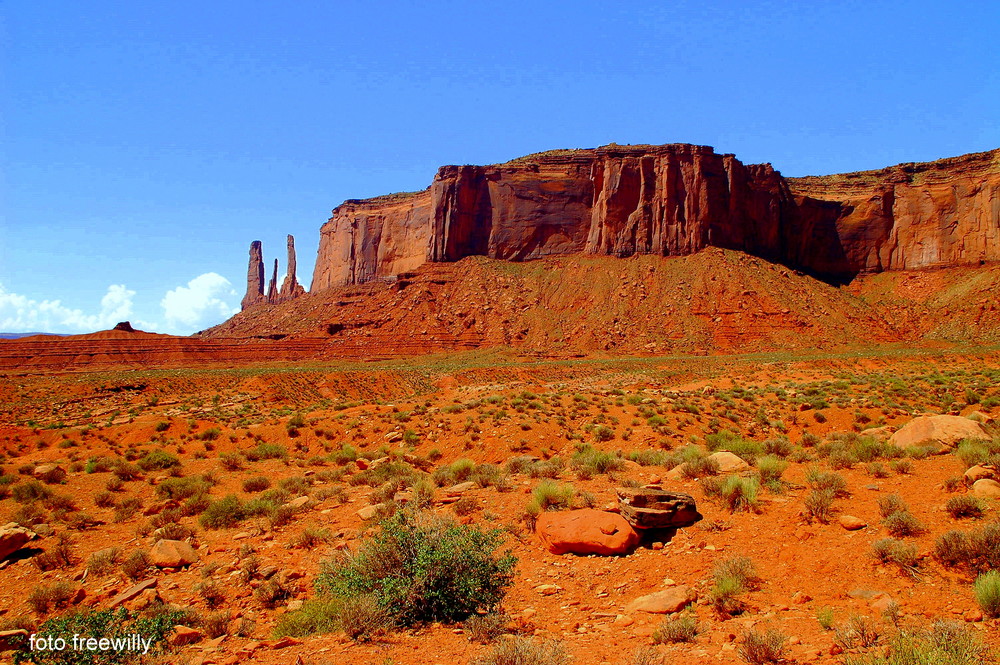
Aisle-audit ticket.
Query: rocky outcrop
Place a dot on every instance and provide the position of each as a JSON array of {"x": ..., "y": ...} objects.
[
  {"x": 586, "y": 531},
  {"x": 255, "y": 276},
  {"x": 672, "y": 200},
  {"x": 290, "y": 287}
]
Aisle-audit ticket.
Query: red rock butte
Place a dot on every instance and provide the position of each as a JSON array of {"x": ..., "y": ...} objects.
[{"x": 672, "y": 200}]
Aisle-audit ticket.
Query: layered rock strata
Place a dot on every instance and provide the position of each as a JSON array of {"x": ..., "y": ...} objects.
[{"x": 672, "y": 200}]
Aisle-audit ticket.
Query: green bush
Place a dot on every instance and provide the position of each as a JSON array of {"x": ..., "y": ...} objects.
[
  {"x": 30, "y": 492},
  {"x": 946, "y": 643},
  {"x": 422, "y": 567},
  {"x": 115, "y": 625},
  {"x": 987, "y": 587},
  {"x": 158, "y": 459},
  {"x": 964, "y": 506},
  {"x": 223, "y": 514}
]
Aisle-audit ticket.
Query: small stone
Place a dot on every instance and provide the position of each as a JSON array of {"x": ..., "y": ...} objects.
[
  {"x": 172, "y": 554},
  {"x": 182, "y": 635},
  {"x": 852, "y": 523},
  {"x": 986, "y": 488},
  {"x": 285, "y": 642},
  {"x": 800, "y": 598},
  {"x": 664, "y": 602}
]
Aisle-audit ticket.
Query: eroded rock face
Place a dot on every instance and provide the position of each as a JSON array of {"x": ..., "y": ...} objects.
[
  {"x": 940, "y": 431},
  {"x": 648, "y": 508},
  {"x": 290, "y": 287},
  {"x": 672, "y": 200}
]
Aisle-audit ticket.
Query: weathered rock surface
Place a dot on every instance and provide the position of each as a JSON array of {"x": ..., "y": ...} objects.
[
  {"x": 852, "y": 523},
  {"x": 12, "y": 538},
  {"x": 657, "y": 509},
  {"x": 729, "y": 462},
  {"x": 672, "y": 200},
  {"x": 586, "y": 531},
  {"x": 942, "y": 431},
  {"x": 172, "y": 554},
  {"x": 986, "y": 488},
  {"x": 668, "y": 601},
  {"x": 978, "y": 472},
  {"x": 50, "y": 473}
]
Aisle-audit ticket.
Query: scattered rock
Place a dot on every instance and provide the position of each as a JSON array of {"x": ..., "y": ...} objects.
[
  {"x": 182, "y": 635},
  {"x": 800, "y": 598},
  {"x": 942, "y": 431},
  {"x": 131, "y": 592},
  {"x": 657, "y": 509},
  {"x": 299, "y": 502},
  {"x": 172, "y": 554},
  {"x": 667, "y": 601},
  {"x": 852, "y": 523},
  {"x": 13, "y": 639},
  {"x": 986, "y": 488},
  {"x": 12, "y": 538},
  {"x": 586, "y": 531},
  {"x": 369, "y": 512},
  {"x": 979, "y": 472},
  {"x": 50, "y": 473},
  {"x": 728, "y": 462}
]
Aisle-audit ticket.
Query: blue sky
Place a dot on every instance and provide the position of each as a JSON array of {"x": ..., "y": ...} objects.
[{"x": 146, "y": 144}]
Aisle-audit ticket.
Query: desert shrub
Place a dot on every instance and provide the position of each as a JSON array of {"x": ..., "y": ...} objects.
[
  {"x": 592, "y": 462},
  {"x": 162, "y": 426},
  {"x": 732, "y": 578},
  {"x": 423, "y": 567},
  {"x": 877, "y": 470},
  {"x": 902, "y": 466},
  {"x": 29, "y": 515},
  {"x": 945, "y": 643},
  {"x": 346, "y": 454},
  {"x": 232, "y": 461},
  {"x": 60, "y": 555},
  {"x": 52, "y": 597},
  {"x": 739, "y": 494},
  {"x": 770, "y": 468},
  {"x": 824, "y": 616},
  {"x": 223, "y": 514},
  {"x": 818, "y": 479},
  {"x": 901, "y": 524},
  {"x": 102, "y": 562},
  {"x": 890, "y": 550},
  {"x": 549, "y": 495},
  {"x": 136, "y": 565},
  {"x": 891, "y": 503},
  {"x": 699, "y": 466},
  {"x": 458, "y": 471},
  {"x": 525, "y": 651},
  {"x": 127, "y": 508},
  {"x": 859, "y": 632},
  {"x": 266, "y": 451},
  {"x": 311, "y": 537},
  {"x": 182, "y": 488},
  {"x": 158, "y": 459},
  {"x": 319, "y": 615},
  {"x": 757, "y": 647},
  {"x": 105, "y": 500},
  {"x": 213, "y": 594},
  {"x": 964, "y": 506},
  {"x": 987, "y": 588},
  {"x": 110, "y": 624},
  {"x": 681, "y": 627},
  {"x": 270, "y": 593},
  {"x": 819, "y": 504},
  {"x": 485, "y": 628},
  {"x": 216, "y": 624},
  {"x": 30, "y": 491},
  {"x": 256, "y": 484},
  {"x": 295, "y": 485},
  {"x": 972, "y": 452}
]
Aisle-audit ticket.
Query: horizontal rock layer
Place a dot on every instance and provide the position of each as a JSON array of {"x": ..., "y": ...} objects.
[{"x": 672, "y": 200}]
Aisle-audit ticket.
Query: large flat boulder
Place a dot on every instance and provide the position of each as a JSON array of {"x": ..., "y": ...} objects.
[
  {"x": 648, "y": 508},
  {"x": 586, "y": 531},
  {"x": 942, "y": 432}
]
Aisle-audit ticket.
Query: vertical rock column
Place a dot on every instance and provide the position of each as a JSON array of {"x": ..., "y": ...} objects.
[
  {"x": 255, "y": 276},
  {"x": 272, "y": 287},
  {"x": 290, "y": 287}
]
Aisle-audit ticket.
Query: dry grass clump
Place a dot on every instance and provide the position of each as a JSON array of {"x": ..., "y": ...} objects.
[
  {"x": 525, "y": 651},
  {"x": 485, "y": 628},
  {"x": 758, "y": 647},
  {"x": 732, "y": 578},
  {"x": 890, "y": 550},
  {"x": 678, "y": 628},
  {"x": 987, "y": 588},
  {"x": 55, "y": 596},
  {"x": 964, "y": 506}
]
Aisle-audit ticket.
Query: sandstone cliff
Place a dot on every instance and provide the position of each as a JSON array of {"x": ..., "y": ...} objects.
[{"x": 672, "y": 200}]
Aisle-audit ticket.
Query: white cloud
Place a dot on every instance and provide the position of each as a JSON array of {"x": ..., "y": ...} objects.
[
  {"x": 204, "y": 302},
  {"x": 22, "y": 314}
]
